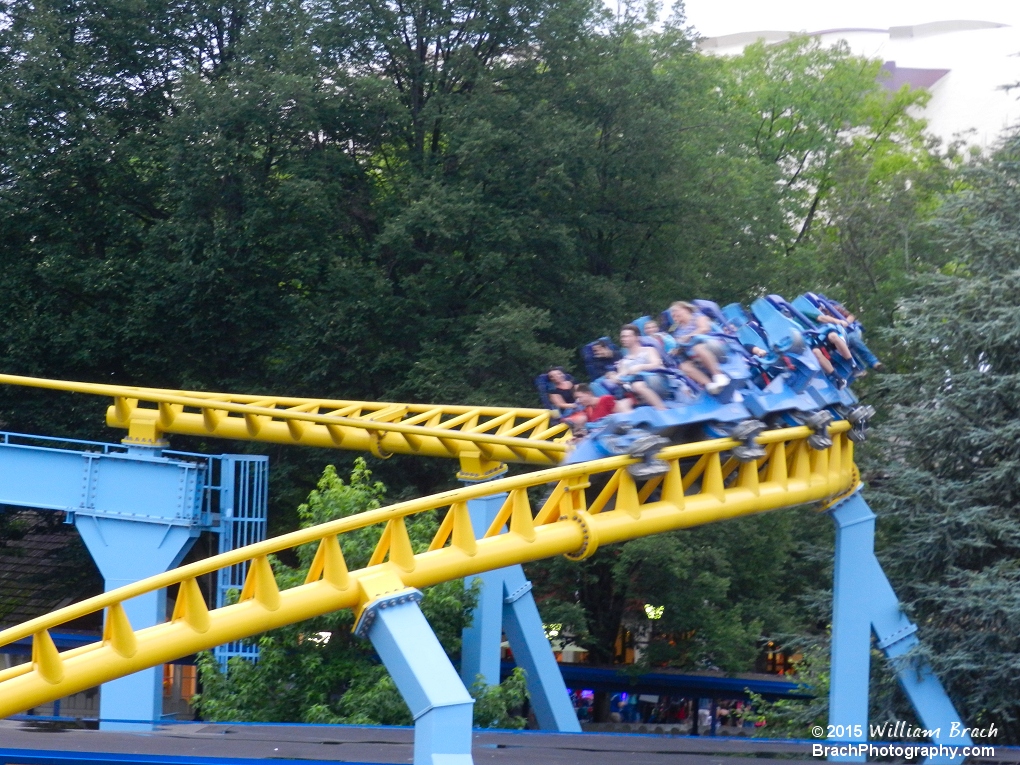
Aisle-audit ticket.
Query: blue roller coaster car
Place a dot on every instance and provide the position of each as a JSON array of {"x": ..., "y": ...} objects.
[{"x": 775, "y": 381}]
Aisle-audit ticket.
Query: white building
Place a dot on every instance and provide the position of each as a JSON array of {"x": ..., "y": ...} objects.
[{"x": 965, "y": 64}]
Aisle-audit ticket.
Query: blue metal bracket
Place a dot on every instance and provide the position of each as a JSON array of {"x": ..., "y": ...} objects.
[
  {"x": 439, "y": 702},
  {"x": 506, "y": 604},
  {"x": 863, "y": 602}
]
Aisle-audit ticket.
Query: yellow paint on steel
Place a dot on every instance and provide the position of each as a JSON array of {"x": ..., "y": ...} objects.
[
  {"x": 702, "y": 486},
  {"x": 482, "y": 437}
]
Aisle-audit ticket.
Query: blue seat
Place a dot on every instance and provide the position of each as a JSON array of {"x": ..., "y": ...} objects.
[
  {"x": 640, "y": 322},
  {"x": 712, "y": 311},
  {"x": 787, "y": 309},
  {"x": 736, "y": 315}
]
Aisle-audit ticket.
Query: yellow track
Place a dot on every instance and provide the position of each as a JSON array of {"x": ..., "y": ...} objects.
[
  {"x": 481, "y": 437},
  {"x": 710, "y": 488}
]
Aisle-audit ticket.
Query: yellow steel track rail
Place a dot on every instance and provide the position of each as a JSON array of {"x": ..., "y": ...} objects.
[
  {"x": 702, "y": 486},
  {"x": 481, "y": 437}
]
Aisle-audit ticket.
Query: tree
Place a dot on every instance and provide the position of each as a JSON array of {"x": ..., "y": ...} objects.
[
  {"x": 317, "y": 671},
  {"x": 876, "y": 238},
  {"x": 806, "y": 108},
  {"x": 946, "y": 478},
  {"x": 715, "y": 591}
]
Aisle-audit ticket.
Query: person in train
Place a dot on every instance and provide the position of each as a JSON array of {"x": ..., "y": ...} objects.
[
  {"x": 594, "y": 408},
  {"x": 855, "y": 337},
  {"x": 561, "y": 390},
  {"x": 641, "y": 370},
  {"x": 665, "y": 340},
  {"x": 835, "y": 333},
  {"x": 697, "y": 351}
]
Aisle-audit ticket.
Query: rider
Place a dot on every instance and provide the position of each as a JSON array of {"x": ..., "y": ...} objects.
[
  {"x": 836, "y": 334},
  {"x": 594, "y": 408},
  {"x": 697, "y": 350},
  {"x": 561, "y": 390},
  {"x": 640, "y": 368},
  {"x": 855, "y": 337},
  {"x": 666, "y": 342}
]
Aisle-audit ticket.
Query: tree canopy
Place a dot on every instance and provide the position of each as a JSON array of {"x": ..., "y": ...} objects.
[{"x": 949, "y": 502}]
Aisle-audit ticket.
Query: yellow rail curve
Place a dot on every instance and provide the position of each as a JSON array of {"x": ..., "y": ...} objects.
[
  {"x": 481, "y": 437},
  {"x": 701, "y": 486}
]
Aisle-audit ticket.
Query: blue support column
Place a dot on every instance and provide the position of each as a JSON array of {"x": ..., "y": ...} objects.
[
  {"x": 124, "y": 552},
  {"x": 524, "y": 631},
  {"x": 132, "y": 535},
  {"x": 138, "y": 513},
  {"x": 864, "y": 601},
  {"x": 851, "y": 623},
  {"x": 505, "y": 603},
  {"x": 439, "y": 702},
  {"x": 481, "y": 640}
]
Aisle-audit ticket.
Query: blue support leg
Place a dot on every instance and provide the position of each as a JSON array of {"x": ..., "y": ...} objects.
[
  {"x": 506, "y": 604},
  {"x": 851, "y": 625},
  {"x": 546, "y": 689},
  {"x": 138, "y": 511},
  {"x": 126, "y": 551},
  {"x": 439, "y": 702},
  {"x": 864, "y": 601},
  {"x": 480, "y": 644}
]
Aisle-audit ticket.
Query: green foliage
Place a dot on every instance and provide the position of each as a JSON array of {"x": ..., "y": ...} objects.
[
  {"x": 317, "y": 671},
  {"x": 807, "y": 108},
  {"x": 789, "y": 718},
  {"x": 495, "y": 704},
  {"x": 854, "y": 170},
  {"x": 435, "y": 201},
  {"x": 721, "y": 587},
  {"x": 946, "y": 476}
]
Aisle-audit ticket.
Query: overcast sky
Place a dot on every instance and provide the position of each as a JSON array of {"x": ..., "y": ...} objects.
[{"x": 720, "y": 17}]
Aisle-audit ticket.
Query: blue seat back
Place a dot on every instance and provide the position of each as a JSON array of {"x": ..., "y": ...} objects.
[
  {"x": 749, "y": 336},
  {"x": 736, "y": 314},
  {"x": 804, "y": 303},
  {"x": 780, "y": 304},
  {"x": 712, "y": 311},
  {"x": 640, "y": 323},
  {"x": 782, "y": 331}
]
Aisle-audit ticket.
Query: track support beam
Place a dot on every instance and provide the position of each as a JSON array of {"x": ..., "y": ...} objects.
[
  {"x": 505, "y": 603},
  {"x": 863, "y": 602},
  {"x": 439, "y": 703}
]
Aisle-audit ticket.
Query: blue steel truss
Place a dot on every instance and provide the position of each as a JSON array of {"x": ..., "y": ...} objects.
[{"x": 139, "y": 510}]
